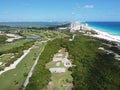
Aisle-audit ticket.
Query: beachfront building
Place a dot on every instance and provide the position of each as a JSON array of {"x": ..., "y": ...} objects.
[
  {"x": 85, "y": 27},
  {"x": 74, "y": 26}
]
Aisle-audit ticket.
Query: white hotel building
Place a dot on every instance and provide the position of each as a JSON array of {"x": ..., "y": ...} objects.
[{"x": 76, "y": 26}]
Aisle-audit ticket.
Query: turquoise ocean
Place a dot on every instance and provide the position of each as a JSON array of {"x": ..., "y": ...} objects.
[{"x": 113, "y": 28}]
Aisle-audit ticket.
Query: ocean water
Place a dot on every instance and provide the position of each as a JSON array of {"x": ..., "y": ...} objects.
[{"x": 113, "y": 28}]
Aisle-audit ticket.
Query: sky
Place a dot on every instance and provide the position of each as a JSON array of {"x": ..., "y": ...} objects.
[{"x": 59, "y": 10}]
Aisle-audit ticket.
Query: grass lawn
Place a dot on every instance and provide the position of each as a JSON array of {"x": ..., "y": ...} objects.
[
  {"x": 53, "y": 64},
  {"x": 43, "y": 34},
  {"x": 14, "y": 79},
  {"x": 59, "y": 81},
  {"x": 9, "y": 46}
]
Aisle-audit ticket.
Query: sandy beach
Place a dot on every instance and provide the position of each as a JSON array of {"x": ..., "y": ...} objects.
[{"x": 104, "y": 35}]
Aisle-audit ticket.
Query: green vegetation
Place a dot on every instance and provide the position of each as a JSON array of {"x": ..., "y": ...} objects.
[
  {"x": 94, "y": 70},
  {"x": 58, "y": 26},
  {"x": 9, "y": 46},
  {"x": 14, "y": 79},
  {"x": 17, "y": 51},
  {"x": 115, "y": 49},
  {"x": 5, "y": 58},
  {"x": 41, "y": 75},
  {"x": 60, "y": 81},
  {"x": 52, "y": 63},
  {"x": 11, "y": 51},
  {"x": 42, "y": 34},
  {"x": 2, "y": 39},
  {"x": 4, "y": 26}
]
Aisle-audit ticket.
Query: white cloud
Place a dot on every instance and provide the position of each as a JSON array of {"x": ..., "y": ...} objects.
[{"x": 89, "y": 6}]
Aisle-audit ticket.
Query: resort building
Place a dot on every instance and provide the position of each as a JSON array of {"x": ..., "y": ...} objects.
[{"x": 74, "y": 26}]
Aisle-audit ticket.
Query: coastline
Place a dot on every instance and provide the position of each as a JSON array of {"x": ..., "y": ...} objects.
[{"x": 104, "y": 35}]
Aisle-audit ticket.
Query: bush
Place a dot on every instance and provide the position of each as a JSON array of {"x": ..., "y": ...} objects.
[
  {"x": 94, "y": 70},
  {"x": 2, "y": 39}
]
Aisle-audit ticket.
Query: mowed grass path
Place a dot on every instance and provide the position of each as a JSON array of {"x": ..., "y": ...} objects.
[{"x": 14, "y": 79}]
